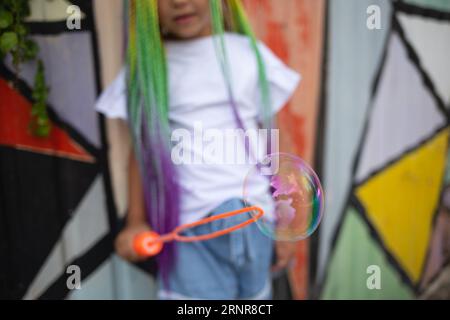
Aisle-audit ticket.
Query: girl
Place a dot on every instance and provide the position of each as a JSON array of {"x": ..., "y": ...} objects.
[{"x": 184, "y": 72}]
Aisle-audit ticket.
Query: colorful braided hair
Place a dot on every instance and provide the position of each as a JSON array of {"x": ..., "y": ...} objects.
[{"x": 148, "y": 105}]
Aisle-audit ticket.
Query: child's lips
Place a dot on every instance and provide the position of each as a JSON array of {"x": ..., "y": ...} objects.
[{"x": 185, "y": 18}]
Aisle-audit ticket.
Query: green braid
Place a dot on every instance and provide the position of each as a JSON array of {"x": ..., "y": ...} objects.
[{"x": 240, "y": 24}]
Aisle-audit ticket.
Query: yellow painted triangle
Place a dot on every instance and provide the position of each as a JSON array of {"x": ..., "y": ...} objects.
[{"x": 401, "y": 200}]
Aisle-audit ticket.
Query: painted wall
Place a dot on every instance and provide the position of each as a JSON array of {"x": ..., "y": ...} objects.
[
  {"x": 58, "y": 206},
  {"x": 371, "y": 114},
  {"x": 386, "y": 151}
]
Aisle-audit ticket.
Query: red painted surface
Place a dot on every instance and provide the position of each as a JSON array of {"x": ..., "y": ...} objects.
[
  {"x": 276, "y": 40},
  {"x": 14, "y": 119}
]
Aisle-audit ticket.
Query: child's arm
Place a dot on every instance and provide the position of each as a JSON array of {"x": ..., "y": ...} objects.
[
  {"x": 136, "y": 221},
  {"x": 136, "y": 210}
]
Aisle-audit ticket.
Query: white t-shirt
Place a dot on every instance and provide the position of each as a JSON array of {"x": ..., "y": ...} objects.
[{"x": 198, "y": 102}]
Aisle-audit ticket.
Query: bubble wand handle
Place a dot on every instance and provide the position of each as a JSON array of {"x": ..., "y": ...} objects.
[{"x": 148, "y": 244}]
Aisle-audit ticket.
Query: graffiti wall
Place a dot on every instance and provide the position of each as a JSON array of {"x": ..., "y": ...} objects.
[
  {"x": 57, "y": 207},
  {"x": 384, "y": 212},
  {"x": 371, "y": 115}
]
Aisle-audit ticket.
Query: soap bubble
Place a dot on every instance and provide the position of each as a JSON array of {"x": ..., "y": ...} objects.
[{"x": 289, "y": 192}]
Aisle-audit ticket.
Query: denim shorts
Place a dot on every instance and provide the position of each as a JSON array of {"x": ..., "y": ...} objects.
[{"x": 233, "y": 266}]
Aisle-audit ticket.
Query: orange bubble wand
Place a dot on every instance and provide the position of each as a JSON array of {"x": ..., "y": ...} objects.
[{"x": 150, "y": 243}]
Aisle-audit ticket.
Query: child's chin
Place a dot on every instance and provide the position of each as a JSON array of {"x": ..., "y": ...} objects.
[{"x": 188, "y": 33}]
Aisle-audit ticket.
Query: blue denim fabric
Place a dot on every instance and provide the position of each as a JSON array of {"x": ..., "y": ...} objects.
[{"x": 233, "y": 266}]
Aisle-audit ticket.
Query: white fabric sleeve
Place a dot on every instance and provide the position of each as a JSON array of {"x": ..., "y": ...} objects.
[
  {"x": 113, "y": 101},
  {"x": 283, "y": 81}
]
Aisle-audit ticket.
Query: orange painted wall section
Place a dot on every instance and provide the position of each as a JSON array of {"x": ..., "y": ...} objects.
[{"x": 294, "y": 30}]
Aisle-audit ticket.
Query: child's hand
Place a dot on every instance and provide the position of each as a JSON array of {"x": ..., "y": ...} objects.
[
  {"x": 124, "y": 241},
  {"x": 285, "y": 252}
]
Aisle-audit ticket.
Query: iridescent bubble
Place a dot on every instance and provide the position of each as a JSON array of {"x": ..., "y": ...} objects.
[{"x": 289, "y": 192}]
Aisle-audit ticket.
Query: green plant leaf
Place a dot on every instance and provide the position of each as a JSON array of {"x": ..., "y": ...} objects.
[
  {"x": 43, "y": 131},
  {"x": 42, "y": 121},
  {"x": 31, "y": 49},
  {"x": 21, "y": 30},
  {"x": 8, "y": 41},
  {"x": 6, "y": 19},
  {"x": 23, "y": 7}
]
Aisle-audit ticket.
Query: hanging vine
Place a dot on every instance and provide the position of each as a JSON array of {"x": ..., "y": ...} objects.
[{"x": 16, "y": 42}]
